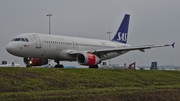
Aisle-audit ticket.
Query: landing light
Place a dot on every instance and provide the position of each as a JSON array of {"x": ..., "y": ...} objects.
[{"x": 30, "y": 62}]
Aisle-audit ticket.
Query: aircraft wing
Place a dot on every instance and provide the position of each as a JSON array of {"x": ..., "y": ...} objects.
[{"x": 123, "y": 49}]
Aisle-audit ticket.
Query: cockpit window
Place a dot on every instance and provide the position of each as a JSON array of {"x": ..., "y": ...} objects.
[
  {"x": 12, "y": 39},
  {"x": 26, "y": 40},
  {"x": 17, "y": 39},
  {"x": 22, "y": 39}
]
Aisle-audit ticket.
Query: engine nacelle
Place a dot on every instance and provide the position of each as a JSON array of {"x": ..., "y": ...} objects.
[
  {"x": 35, "y": 61},
  {"x": 87, "y": 59}
]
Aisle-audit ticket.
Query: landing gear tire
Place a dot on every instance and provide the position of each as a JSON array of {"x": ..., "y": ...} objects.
[
  {"x": 94, "y": 66},
  {"x": 28, "y": 65},
  {"x": 59, "y": 66}
]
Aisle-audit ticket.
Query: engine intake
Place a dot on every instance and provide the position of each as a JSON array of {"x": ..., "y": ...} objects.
[{"x": 87, "y": 59}]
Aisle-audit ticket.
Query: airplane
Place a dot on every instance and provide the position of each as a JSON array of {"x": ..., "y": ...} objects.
[{"x": 37, "y": 48}]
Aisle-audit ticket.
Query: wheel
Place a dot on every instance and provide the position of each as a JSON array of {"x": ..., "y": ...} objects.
[
  {"x": 56, "y": 66},
  {"x": 94, "y": 66},
  {"x": 59, "y": 66},
  {"x": 28, "y": 65}
]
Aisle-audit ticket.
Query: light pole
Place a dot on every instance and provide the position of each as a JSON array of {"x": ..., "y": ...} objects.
[
  {"x": 109, "y": 35},
  {"x": 49, "y": 15},
  {"x": 109, "y": 40}
]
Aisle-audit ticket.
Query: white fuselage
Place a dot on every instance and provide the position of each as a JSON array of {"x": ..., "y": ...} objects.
[{"x": 58, "y": 47}]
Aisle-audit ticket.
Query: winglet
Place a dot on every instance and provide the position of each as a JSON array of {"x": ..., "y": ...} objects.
[{"x": 173, "y": 44}]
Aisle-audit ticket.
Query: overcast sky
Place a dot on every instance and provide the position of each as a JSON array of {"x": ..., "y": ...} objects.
[{"x": 151, "y": 22}]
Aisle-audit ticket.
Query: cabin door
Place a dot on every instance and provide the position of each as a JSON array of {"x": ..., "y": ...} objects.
[
  {"x": 38, "y": 41},
  {"x": 74, "y": 45}
]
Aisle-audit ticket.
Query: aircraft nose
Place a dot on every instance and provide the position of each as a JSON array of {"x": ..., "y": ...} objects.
[{"x": 9, "y": 48}]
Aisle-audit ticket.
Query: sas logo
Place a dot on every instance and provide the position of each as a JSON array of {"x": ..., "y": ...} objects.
[{"x": 122, "y": 36}]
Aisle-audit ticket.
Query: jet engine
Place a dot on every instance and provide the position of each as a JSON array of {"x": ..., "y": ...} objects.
[
  {"x": 35, "y": 61},
  {"x": 87, "y": 59}
]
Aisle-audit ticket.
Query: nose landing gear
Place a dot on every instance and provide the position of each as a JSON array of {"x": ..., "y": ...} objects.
[{"x": 58, "y": 65}]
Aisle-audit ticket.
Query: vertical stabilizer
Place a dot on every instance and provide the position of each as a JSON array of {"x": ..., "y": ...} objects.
[{"x": 122, "y": 33}]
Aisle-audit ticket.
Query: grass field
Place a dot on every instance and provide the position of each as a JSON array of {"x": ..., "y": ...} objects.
[{"x": 44, "y": 84}]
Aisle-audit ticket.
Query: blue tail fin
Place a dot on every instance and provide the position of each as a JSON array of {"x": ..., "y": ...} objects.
[{"x": 122, "y": 33}]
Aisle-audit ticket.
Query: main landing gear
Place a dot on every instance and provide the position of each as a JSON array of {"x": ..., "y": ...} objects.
[
  {"x": 94, "y": 66},
  {"x": 58, "y": 65}
]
